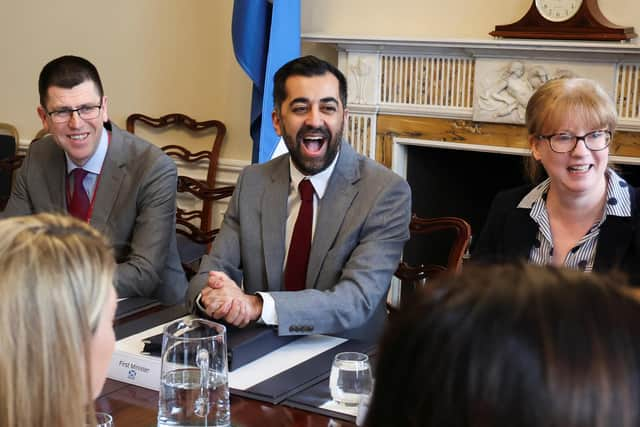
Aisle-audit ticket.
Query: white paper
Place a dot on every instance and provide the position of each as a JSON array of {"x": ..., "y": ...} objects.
[
  {"x": 281, "y": 359},
  {"x": 129, "y": 365}
]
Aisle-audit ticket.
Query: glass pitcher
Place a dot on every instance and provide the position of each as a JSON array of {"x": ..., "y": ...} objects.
[{"x": 194, "y": 389}]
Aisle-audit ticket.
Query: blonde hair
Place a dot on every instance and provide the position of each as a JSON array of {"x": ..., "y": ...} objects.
[
  {"x": 583, "y": 100},
  {"x": 55, "y": 281}
]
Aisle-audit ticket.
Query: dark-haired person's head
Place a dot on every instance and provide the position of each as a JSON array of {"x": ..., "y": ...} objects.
[
  {"x": 67, "y": 72},
  {"x": 511, "y": 346},
  {"x": 73, "y": 106},
  {"x": 306, "y": 66},
  {"x": 309, "y": 98}
]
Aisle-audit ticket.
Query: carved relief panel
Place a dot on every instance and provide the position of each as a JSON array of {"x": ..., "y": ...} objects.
[
  {"x": 503, "y": 87},
  {"x": 361, "y": 70}
]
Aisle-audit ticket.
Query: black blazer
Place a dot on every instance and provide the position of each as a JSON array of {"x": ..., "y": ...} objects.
[{"x": 509, "y": 233}]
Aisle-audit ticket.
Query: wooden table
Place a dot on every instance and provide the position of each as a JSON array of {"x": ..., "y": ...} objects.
[{"x": 133, "y": 406}]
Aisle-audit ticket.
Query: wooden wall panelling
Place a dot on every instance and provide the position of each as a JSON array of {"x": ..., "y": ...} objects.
[{"x": 625, "y": 144}]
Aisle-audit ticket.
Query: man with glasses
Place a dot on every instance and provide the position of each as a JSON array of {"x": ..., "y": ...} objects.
[
  {"x": 120, "y": 184},
  {"x": 579, "y": 213}
]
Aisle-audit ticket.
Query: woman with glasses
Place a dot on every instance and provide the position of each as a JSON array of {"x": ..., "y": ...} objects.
[
  {"x": 57, "y": 307},
  {"x": 579, "y": 213}
]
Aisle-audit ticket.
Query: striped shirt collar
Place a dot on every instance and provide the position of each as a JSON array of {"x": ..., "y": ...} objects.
[
  {"x": 582, "y": 256},
  {"x": 618, "y": 198}
]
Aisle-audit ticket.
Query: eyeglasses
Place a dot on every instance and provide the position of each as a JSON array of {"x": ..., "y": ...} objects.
[
  {"x": 87, "y": 112},
  {"x": 566, "y": 142}
]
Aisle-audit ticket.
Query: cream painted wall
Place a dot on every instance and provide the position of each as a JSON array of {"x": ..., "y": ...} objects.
[
  {"x": 433, "y": 18},
  {"x": 161, "y": 56}
]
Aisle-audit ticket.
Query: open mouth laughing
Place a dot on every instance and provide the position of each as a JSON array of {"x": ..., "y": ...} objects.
[{"x": 314, "y": 140}]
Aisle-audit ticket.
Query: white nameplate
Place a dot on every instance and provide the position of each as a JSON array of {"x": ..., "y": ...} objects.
[{"x": 129, "y": 365}]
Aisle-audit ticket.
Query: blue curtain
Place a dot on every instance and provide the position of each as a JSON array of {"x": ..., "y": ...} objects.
[{"x": 266, "y": 35}]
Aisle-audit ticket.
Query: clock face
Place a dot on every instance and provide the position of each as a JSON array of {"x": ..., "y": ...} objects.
[{"x": 558, "y": 10}]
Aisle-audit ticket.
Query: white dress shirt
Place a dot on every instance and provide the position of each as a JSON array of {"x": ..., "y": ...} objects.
[{"x": 320, "y": 181}]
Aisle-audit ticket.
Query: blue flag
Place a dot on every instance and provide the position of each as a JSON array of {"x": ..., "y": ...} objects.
[{"x": 266, "y": 35}]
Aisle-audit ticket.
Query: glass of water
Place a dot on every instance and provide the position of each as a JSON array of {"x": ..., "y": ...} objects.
[
  {"x": 194, "y": 389},
  {"x": 104, "y": 420},
  {"x": 350, "y": 380}
]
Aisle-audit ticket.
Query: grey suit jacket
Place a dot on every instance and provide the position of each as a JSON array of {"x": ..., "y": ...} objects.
[
  {"x": 134, "y": 207},
  {"x": 361, "y": 226}
]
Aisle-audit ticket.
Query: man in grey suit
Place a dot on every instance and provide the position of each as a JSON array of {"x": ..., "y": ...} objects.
[
  {"x": 123, "y": 186},
  {"x": 360, "y": 217}
]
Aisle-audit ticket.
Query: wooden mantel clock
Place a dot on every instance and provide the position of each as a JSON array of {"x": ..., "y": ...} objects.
[{"x": 564, "y": 20}]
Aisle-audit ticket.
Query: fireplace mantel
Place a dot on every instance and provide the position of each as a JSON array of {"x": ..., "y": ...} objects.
[
  {"x": 450, "y": 90},
  {"x": 564, "y": 49}
]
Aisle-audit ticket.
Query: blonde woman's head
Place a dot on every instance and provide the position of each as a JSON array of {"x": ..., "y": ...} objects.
[
  {"x": 577, "y": 100},
  {"x": 582, "y": 99},
  {"x": 56, "y": 308}
]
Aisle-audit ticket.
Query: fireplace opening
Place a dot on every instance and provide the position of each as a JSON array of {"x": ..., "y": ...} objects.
[{"x": 462, "y": 183}]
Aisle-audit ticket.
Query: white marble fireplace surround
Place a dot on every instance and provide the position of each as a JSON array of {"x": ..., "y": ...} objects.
[{"x": 480, "y": 80}]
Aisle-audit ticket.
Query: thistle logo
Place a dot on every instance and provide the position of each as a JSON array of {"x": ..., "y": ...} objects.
[{"x": 132, "y": 374}]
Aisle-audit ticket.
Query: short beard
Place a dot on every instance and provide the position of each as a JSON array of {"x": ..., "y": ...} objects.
[{"x": 310, "y": 168}]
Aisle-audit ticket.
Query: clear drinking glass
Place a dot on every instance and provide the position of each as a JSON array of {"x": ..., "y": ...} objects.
[
  {"x": 350, "y": 380},
  {"x": 194, "y": 389},
  {"x": 104, "y": 420}
]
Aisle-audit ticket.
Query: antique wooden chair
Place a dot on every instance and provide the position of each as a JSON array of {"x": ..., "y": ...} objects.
[
  {"x": 452, "y": 236},
  {"x": 193, "y": 224},
  {"x": 40, "y": 134},
  {"x": 9, "y": 160}
]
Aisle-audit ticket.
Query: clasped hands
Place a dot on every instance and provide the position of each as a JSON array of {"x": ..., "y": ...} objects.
[{"x": 222, "y": 298}]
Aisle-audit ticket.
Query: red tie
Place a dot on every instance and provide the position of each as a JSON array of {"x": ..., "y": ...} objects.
[
  {"x": 79, "y": 205},
  {"x": 295, "y": 272}
]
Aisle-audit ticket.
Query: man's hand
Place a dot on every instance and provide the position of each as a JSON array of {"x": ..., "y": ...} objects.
[{"x": 223, "y": 299}]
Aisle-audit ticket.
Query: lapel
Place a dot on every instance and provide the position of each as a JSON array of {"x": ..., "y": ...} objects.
[
  {"x": 615, "y": 238},
  {"x": 113, "y": 173},
  {"x": 56, "y": 180},
  {"x": 341, "y": 190},
  {"x": 519, "y": 234},
  {"x": 274, "y": 218}
]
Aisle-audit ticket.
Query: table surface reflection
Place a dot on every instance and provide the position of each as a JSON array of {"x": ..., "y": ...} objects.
[{"x": 133, "y": 406}]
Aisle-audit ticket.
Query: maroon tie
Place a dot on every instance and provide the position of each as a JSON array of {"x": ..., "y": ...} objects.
[
  {"x": 295, "y": 272},
  {"x": 79, "y": 205}
]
